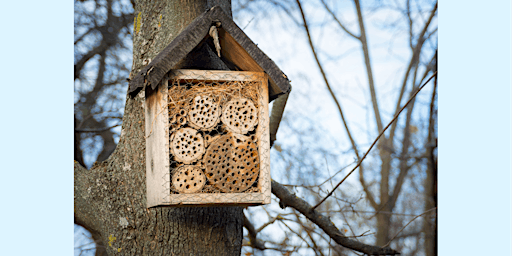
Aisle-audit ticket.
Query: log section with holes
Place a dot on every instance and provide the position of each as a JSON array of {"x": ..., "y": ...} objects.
[{"x": 207, "y": 139}]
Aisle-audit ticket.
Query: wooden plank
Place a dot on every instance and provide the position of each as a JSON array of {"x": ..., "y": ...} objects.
[
  {"x": 157, "y": 145},
  {"x": 233, "y": 51},
  {"x": 215, "y": 198},
  {"x": 211, "y": 205},
  {"x": 236, "y": 38},
  {"x": 264, "y": 143},
  {"x": 216, "y": 75}
]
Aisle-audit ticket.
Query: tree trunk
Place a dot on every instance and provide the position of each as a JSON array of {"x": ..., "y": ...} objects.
[
  {"x": 110, "y": 198},
  {"x": 430, "y": 224},
  {"x": 383, "y": 226},
  {"x": 384, "y": 219}
]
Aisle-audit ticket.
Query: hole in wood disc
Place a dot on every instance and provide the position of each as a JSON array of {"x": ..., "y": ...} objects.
[
  {"x": 188, "y": 179},
  {"x": 177, "y": 116},
  {"x": 241, "y": 159},
  {"x": 240, "y": 115},
  {"x": 204, "y": 113},
  {"x": 182, "y": 141}
]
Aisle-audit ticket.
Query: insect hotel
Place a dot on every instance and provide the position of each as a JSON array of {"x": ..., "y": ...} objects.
[{"x": 207, "y": 131}]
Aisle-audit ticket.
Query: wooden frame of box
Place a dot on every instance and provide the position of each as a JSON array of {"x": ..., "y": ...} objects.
[{"x": 163, "y": 126}]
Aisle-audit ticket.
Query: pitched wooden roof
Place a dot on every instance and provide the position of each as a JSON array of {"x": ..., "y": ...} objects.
[{"x": 236, "y": 49}]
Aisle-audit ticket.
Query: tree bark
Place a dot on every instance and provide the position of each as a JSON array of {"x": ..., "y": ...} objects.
[
  {"x": 429, "y": 224},
  {"x": 110, "y": 198}
]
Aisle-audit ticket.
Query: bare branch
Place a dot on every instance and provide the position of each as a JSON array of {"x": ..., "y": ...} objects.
[
  {"x": 366, "y": 52},
  {"x": 349, "y": 134},
  {"x": 338, "y": 21},
  {"x": 109, "y": 38},
  {"x": 299, "y": 236},
  {"x": 86, "y": 57},
  {"x": 408, "y": 224},
  {"x": 404, "y": 168},
  {"x": 321, "y": 184},
  {"x": 278, "y": 217},
  {"x": 289, "y": 199},
  {"x": 415, "y": 56},
  {"x": 97, "y": 130},
  {"x": 374, "y": 142},
  {"x": 408, "y": 14},
  {"x": 83, "y": 35},
  {"x": 252, "y": 235},
  {"x": 366, "y": 189},
  {"x": 309, "y": 230}
]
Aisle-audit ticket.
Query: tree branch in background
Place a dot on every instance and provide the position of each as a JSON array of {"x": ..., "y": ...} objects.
[
  {"x": 369, "y": 72},
  {"x": 414, "y": 58},
  {"x": 338, "y": 105},
  {"x": 430, "y": 183},
  {"x": 360, "y": 38},
  {"x": 309, "y": 231},
  {"x": 252, "y": 235},
  {"x": 109, "y": 38},
  {"x": 338, "y": 21},
  {"x": 375, "y": 141},
  {"x": 408, "y": 224},
  {"x": 78, "y": 154},
  {"x": 97, "y": 130},
  {"x": 109, "y": 29},
  {"x": 406, "y": 142},
  {"x": 291, "y": 200}
]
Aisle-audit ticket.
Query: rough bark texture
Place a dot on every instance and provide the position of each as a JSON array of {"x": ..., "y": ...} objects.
[{"x": 110, "y": 198}]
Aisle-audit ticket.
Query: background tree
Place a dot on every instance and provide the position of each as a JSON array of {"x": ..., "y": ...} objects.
[
  {"x": 303, "y": 160},
  {"x": 102, "y": 64}
]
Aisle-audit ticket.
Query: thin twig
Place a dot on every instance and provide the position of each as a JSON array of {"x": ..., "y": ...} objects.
[
  {"x": 97, "y": 130},
  {"x": 377, "y": 139},
  {"x": 407, "y": 225},
  {"x": 255, "y": 243},
  {"x": 278, "y": 217},
  {"x": 248, "y": 23},
  {"x": 288, "y": 199}
]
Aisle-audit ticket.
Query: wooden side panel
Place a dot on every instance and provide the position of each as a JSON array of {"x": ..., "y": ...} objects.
[
  {"x": 264, "y": 143},
  {"x": 157, "y": 145}
]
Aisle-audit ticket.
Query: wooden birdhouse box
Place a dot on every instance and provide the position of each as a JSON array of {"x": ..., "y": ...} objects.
[{"x": 207, "y": 131}]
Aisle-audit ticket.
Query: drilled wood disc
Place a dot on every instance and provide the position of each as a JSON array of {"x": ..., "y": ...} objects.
[
  {"x": 240, "y": 115},
  {"x": 177, "y": 118},
  {"x": 187, "y": 145},
  {"x": 188, "y": 179},
  {"x": 204, "y": 113},
  {"x": 232, "y": 163}
]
